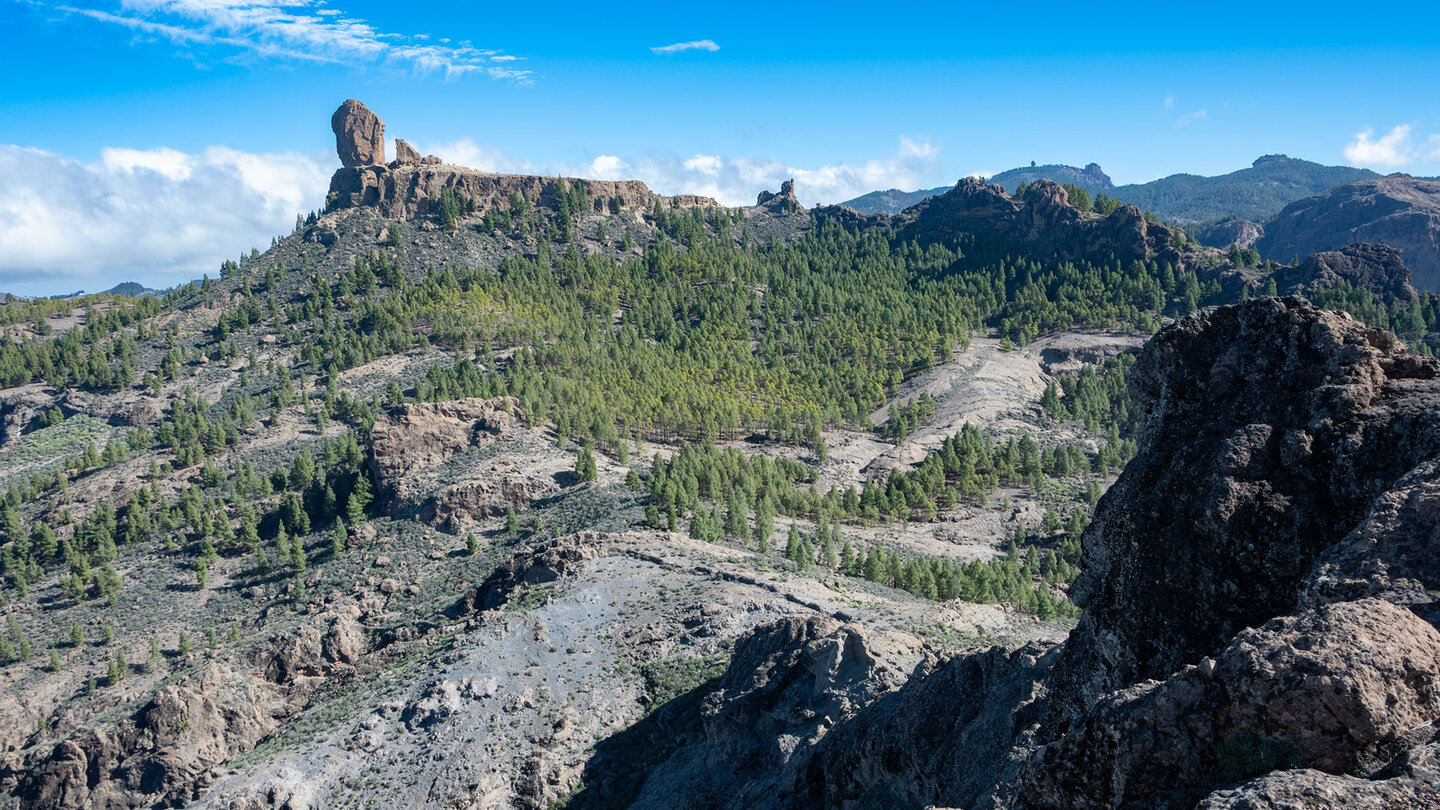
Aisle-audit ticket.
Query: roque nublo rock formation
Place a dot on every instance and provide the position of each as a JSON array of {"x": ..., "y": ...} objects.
[{"x": 408, "y": 187}]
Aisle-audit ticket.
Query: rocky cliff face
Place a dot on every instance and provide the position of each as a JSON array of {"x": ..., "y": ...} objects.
[
  {"x": 1241, "y": 233},
  {"x": 406, "y": 188},
  {"x": 1378, "y": 268},
  {"x": 1398, "y": 210},
  {"x": 1044, "y": 226},
  {"x": 1260, "y": 600}
]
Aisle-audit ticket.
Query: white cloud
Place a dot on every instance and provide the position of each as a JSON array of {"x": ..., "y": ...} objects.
[
  {"x": 733, "y": 181},
  {"x": 1432, "y": 147},
  {"x": 695, "y": 45},
  {"x": 1169, "y": 101},
  {"x": 705, "y": 164},
  {"x": 1389, "y": 150},
  {"x": 299, "y": 30},
  {"x": 608, "y": 167},
  {"x": 466, "y": 152},
  {"x": 156, "y": 216},
  {"x": 162, "y": 216},
  {"x": 1189, "y": 118}
]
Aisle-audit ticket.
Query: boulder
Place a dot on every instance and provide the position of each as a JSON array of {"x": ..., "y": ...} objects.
[{"x": 1326, "y": 690}]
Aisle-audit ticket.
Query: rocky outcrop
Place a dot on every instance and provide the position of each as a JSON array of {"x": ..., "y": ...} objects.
[
  {"x": 405, "y": 155},
  {"x": 407, "y": 192},
  {"x": 459, "y": 505},
  {"x": 1267, "y": 430},
  {"x": 1242, "y": 233},
  {"x": 787, "y": 685},
  {"x": 407, "y": 188},
  {"x": 359, "y": 135},
  {"x": 783, "y": 203},
  {"x": 160, "y": 757},
  {"x": 547, "y": 562},
  {"x": 1330, "y": 690},
  {"x": 1412, "y": 781},
  {"x": 954, "y": 735},
  {"x": 1397, "y": 210},
  {"x": 1043, "y": 226},
  {"x": 20, "y": 410},
  {"x": 1377, "y": 268},
  {"x": 410, "y": 437}
]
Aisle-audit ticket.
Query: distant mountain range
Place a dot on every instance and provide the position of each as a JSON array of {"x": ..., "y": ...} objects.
[{"x": 1257, "y": 193}]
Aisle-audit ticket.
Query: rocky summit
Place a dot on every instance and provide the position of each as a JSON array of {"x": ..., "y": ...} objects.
[{"x": 506, "y": 491}]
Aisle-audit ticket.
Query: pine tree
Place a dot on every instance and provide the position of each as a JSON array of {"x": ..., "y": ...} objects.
[
  {"x": 764, "y": 523},
  {"x": 737, "y": 519}
]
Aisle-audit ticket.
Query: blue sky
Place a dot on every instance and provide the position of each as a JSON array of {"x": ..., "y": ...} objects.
[{"x": 150, "y": 139}]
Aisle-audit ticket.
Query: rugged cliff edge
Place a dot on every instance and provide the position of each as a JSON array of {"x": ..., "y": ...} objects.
[
  {"x": 409, "y": 187},
  {"x": 1261, "y": 598}
]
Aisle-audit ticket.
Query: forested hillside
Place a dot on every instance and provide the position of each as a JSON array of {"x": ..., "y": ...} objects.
[{"x": 486, "y": 409}]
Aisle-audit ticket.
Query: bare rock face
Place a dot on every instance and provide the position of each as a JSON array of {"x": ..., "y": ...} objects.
[
  {"x": 161, "y": 756},
  {"x": 1267, "y": 429},
  {"x": 783, "y": 203},
  {"x": 1391, "y": 555},
  {"x": 1378, "y": 268},
  {"x": 949, "y": 736},
  {"x": 414, "y": 436},
  {"x": 1398, "y": 210},
  {"x": 469, "y": 501},
  {"x": 359, "y": 135},
  {"x": 20, "y": 411},
  {"x": 1242, "y": 233},
  {"x": 1412, "y": 781},
  {"x": 405, "y": 154},
  {"x": 547, "y": 562},
  {"x": 787, "y": 685},
  {"x": 1328, "y": 689}
]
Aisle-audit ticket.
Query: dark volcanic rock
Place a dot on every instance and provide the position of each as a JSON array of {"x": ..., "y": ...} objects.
[
  {"x": 1398, "y": 210},
  {"x": 1328, "y": 690},
  {"x": 1378, "y": 268},
  {"x": 946, "y": 737},
  {"x": 1043, "y": 226},
  {"x": 787, "y": 685},
  {"x": 1267, "y": 429},
  {"x": 359, "y": 135}
]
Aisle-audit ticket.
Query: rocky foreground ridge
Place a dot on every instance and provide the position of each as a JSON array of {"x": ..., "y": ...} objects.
[
  {"x": 409, "y": 186},
  {"x": 1260, "y": 625}
]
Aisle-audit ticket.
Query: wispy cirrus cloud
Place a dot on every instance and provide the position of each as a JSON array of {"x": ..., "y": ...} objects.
[
  {"x": 1191, "y": 117},
  {"x": 694, "y": 45},
  {"x": 301, "y": 30}
]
